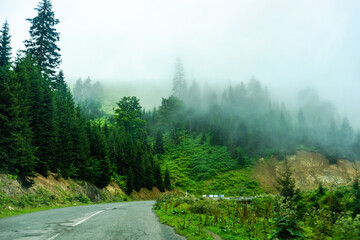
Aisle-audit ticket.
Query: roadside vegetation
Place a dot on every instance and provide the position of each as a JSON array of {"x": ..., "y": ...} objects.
[
  {"x": 37, "y": 201},
  {"x": 317, "y": 214},
  {"x": 16, "y": 199}
]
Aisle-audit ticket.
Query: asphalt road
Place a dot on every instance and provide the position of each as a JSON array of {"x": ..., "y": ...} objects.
[{"x": 125, "y": 220}]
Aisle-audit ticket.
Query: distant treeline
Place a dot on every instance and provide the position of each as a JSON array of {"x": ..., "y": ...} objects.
[
  {"x": 42, "y": 129},
  {"x": 250, "y": 124}
]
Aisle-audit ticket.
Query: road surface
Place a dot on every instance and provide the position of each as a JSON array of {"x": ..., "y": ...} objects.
[{"x": 125, "y": 220}]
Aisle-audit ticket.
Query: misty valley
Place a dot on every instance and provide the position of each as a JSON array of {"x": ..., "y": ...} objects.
[{"x": 222, "y": 159}]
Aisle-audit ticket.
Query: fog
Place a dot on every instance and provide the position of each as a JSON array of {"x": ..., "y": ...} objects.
[{"x": 131, "y": 46}]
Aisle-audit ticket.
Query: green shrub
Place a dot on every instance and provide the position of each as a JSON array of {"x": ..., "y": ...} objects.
[
  {"x": 203, "y": 207},
  {"x": 286, "y": 224},
  {"x": 82, "y": 198},
  {"x": 347, "y": 227},
  {"x": 167, "y": 196}
]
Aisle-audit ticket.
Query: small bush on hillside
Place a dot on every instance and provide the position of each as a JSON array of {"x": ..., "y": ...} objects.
[
  {"x": 167, "y": 196},
  {"x": 203, "y": 207},
  {"x": 82, "y": 198},
  {"x": 287, "y": 226}
]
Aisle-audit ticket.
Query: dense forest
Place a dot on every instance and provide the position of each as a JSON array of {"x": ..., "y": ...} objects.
[
  {"x": 42, "y": 129},
  {"x": 44, "y": 126}
]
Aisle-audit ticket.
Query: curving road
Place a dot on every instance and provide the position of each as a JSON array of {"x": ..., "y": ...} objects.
[{"x": 125, "y": 220}]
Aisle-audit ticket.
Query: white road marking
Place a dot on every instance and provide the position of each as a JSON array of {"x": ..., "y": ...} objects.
[
  {"x": 53, "y": 237},
  {"x": 79, "y": 222},
  {"x": 83, "y": 220},
  {"x": 75, "y": 224}
]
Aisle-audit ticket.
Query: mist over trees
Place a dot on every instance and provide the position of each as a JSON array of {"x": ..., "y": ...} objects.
[
  {"x": 244, "y": 118},
  {"x": 89, "y": 96}
]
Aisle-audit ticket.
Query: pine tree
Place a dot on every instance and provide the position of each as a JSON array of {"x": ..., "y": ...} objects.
[
  {"x": 100, "y": 154},
  {"x": 158, "y": 177},
  {"x": 285, "y": 183},
  {"x": 114, "y": 144},
  {"x": 81, "y": 145},
  {"x": 167, "y": 179},
  {"x": 42, "y": 111},
  {"x": 5, "y": 48},
  {"x": 23, "y": 154},
  {"x": 8, "y": 107},
  {"x": 138, "y": 173},
  {"x": 65, "y": 121},
  {"x": 149, "y": 172},
  {"x": 8, "y": 110},
  {"x": 355, "y": 205},
  {"x": 179, "y": 81},
  {"x": 194, "y": 94},
  {"x": 130, "y": 182},
  {"x": 78, "y": 91},
  {"x": 90, "y": 97},
  {"x": 43, "y": 39},
  {"x": 159, "y": 144},
  {"x": 346, "y": 137}
]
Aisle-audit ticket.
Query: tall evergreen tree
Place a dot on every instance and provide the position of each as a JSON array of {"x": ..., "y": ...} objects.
[
  {"x": 167, "y": 179},
  {"x": 43, "y": 39},
  {"x": 159, "y": 143},
  {"x": 81, "y": 145},
  {"x": 194, "y": 94},
  {"x": 43, "y": 122},
  {"x": 179, "y": 81},
  {"x": 158, "y": 178},
  {"x": 78, "y": 91},
  {"x": 65, "y": 121},
  {"x": 130, "y": 182},
  {"x": 24, "y": 154},
  {"x": 5, "y": 48},
  {"x": 149, "y": 172},
  {"x": 285, "y": 183},
  {"x": 100, "y": 154},
  {"x": 8, "y": 108}
]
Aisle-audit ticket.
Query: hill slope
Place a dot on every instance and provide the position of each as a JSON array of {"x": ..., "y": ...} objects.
[
  {"x": 201, "y": 168},
  {"x": 310, "y": 168}
]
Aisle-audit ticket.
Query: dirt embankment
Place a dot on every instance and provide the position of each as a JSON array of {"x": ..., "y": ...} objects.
[
  {"x": 71, "y": 188},
  {"x": 309, "y": 168}
]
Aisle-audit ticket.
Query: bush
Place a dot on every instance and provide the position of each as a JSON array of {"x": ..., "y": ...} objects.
[
  {"x": 203, "y": 207},
  {"x": 347, "y": 227},
  {"x": 167, "y": 196},
  {"x": 287, "y": 226},
  {"x": 82, "y": 198}
]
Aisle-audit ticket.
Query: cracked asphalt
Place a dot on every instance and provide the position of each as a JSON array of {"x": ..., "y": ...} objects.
[{"x": 125, "y": 221}]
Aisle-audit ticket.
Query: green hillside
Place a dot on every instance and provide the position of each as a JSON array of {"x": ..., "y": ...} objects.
[{"x": 205, "y": 169}]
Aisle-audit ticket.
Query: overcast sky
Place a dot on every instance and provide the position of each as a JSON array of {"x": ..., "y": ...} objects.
[{"x": 284, "y": 44}]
